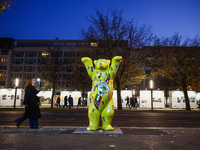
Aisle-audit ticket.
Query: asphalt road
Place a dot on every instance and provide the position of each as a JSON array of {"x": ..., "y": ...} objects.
[
  {"x": 142, "y": 130},
  {"x": 79, "y": 118}
]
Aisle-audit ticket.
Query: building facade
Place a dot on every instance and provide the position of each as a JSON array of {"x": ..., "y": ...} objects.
[{"x": 21, "y": 58}]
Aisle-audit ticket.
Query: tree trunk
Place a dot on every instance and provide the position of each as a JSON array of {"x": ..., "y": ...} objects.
[
  {"x": 119, "y": 103},
  {"x": 187, "y": 103},
  {"x": 52, "y": 95}
]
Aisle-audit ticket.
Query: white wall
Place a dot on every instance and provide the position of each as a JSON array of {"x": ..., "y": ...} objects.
[
  {"x": 74, "y": 94},
  {"x": 178, "y": 99},
  {"x": 7, "y": 97}
]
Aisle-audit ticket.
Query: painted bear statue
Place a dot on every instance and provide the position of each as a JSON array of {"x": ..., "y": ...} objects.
[{"x": 100, "y": 101}]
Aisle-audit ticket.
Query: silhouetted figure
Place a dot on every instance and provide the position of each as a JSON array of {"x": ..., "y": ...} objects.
[
  {"x": 32, "y": 110},
  {"x": 58, "y": 101},
  {"x": 70, "y": 100},
  {"x": 79, "y": 102},
  {"x": 135, "y": 101},
  {"x": 65, "y": 102},
  {"x": 127, "y": 101}
]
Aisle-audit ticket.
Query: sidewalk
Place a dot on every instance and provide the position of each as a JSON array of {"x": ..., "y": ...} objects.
[{"x": 133, "y": 138}]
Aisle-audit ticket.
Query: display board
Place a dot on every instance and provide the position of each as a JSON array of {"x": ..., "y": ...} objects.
[
  {"x": 7, "y": 97},
  {"x": 74, "y": 94},
  {"x": 157, "y": 97},
  {"x": 178, "y": 99},
  {"x": 45, "y": 97},
  {"x": 145, "y": 99}
]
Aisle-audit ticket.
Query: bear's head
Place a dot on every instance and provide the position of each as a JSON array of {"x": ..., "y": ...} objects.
[{"x": 102, "y": 64}]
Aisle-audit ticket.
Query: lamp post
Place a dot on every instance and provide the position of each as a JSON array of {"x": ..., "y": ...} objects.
[
  {"x": 151, "y": 87},
  {"x": 16, "y": 85}
]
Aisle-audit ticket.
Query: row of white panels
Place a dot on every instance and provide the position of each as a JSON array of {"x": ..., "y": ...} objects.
[{"x": 176, "y": 99}]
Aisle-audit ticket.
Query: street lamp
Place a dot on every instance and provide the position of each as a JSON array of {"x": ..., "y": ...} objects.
[
  {"x": 38, "y": 79},
  {"x": 151, "y": 87},
  {"x": 16, "y": 85}
]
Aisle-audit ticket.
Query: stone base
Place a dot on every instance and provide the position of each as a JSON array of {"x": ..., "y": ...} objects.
[{"x": 116, "y": 131}]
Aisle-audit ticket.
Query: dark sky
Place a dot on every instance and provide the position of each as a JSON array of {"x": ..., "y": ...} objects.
[{"x": 48, "y": 19}]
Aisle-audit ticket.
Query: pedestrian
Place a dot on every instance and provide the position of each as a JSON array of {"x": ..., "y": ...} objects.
[
  {"x": 132, "y": 104},
  {"x": 70, "y": 100},
  {"x": 135, "y": 100},
  {"x": 58, "y": 102},
  {"x": 127, "y": 101},
  {"x": 32, "y": 110},
  {"x": 65, "y": 102},
  {"x": 199, "y": 103},
  {"x": 79, "y": 102}
]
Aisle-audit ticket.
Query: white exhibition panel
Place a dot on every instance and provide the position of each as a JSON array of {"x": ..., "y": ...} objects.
[
  {"x": 74, "y": 94},
  {"x": 158, "y": 99},
  {"x": 178, "y": 99},
  {"x": 7, "y": 97},
  {"x": 145, "y": 99},
  {"x": 45, "y": 97},
  {"x": 198, "y": 97}
]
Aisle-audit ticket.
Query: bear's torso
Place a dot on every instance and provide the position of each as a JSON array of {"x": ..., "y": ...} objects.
[{"x": 102, "y": 89}]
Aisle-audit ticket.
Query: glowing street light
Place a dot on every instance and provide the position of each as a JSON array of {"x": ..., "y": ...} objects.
[
  {"x": 16, "y": 85},
  {"x": 38, "y": 79}
]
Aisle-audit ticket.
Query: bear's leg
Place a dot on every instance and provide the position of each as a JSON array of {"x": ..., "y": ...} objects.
[
  {"x": 93, "y": 116},
  {"x": 107, "y": 116}
]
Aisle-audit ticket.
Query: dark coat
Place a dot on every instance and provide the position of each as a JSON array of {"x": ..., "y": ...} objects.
[{"x": 32, "y": 111}]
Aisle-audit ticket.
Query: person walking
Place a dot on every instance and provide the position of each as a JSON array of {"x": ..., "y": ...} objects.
[
  {"x": 65, "y": 102},
  {"x": 132, "y": 103},
  {"x": 199, "y": 103},
  {"x": 70, "y": 100},
  {"x": 79, "y": 102},
  {"x": 58, "y": 102},
  {"x": 32, "y": 110},
  {"x": 135, "y": 100},
  {"x": 127, "y": 102}
]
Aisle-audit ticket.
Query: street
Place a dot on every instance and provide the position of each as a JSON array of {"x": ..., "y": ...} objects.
[
  {"x": 165, "y": 130},
  {"x": 125, "y": 118}
]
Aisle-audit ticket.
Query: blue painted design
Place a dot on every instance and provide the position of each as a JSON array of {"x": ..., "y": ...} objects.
[
  {"x": 111, "y": 69},
  {"x": 88, "y": 68},
  {"x": 106, "y": 73},
  {"x": 103, "y": 102},
  {"x": 103, "y": 119},
  {"x": 90, "y": 100},
  {"x": 100, "y": 74},
  {"x": 116, "y": 66},
  {"x": 92, "y": 69},
  {"x": 113, "y": 108},
  {"x": 92, "y": 110}
]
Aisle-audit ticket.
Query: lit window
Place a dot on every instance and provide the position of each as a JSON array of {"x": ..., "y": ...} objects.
[
  {"x": 93, "y": 44},
  {"x": 45, "y": 54}
]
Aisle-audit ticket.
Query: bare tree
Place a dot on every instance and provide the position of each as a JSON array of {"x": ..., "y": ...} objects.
[
  {"x": 113, "y": 35},
  {"x": 178, "y": 59},
  {"x": 51, "y": 68}
]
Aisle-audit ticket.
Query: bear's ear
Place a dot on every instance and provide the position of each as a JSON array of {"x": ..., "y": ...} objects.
[
  {"x": 108, "y": 62},
  {"x": 95, "y": 63}
]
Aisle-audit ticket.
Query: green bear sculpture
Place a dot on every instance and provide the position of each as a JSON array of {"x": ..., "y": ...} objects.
[{"x": 100, "y": 100}]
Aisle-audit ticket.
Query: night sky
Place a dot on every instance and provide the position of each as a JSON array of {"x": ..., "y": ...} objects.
[{"x": 64, "y": 19}]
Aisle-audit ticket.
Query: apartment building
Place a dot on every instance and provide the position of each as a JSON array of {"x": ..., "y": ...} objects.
[{"x": 20, "y": 58}]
